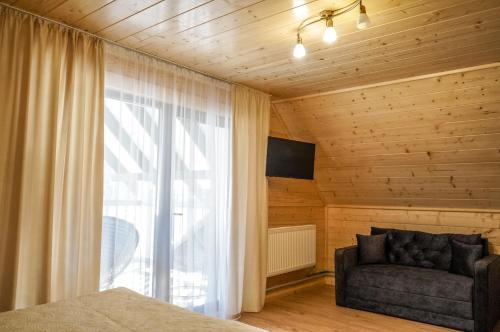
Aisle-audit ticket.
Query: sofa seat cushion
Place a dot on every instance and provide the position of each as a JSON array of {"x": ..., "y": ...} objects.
[
  {"x": 426, "y": 316},
  {"x": 437, "y": 305},
  {"x": 412, "y": 287},
  {"x": 415, "y": 280}
]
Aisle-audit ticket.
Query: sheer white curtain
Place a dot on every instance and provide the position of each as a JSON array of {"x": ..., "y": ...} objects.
[
  {"x": 167, "y": 183},
  {"x": 250, "y": 111},
  {"x": 200, "y": 193}
]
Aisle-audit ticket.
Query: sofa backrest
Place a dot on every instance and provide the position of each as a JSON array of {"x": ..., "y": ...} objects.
[{"x": 422, "y": 249}]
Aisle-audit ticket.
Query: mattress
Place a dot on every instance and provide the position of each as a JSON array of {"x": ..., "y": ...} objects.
[{"x": 117, "y": 309}]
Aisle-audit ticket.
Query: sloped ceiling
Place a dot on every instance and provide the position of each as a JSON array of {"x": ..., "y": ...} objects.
[{"x": 430, "y": 142}]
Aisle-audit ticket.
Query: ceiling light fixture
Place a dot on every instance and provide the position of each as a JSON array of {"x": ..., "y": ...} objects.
[{"x": 330, "y": 34}]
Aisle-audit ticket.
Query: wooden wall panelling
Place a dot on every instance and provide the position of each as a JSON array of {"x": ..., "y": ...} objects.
[
  {"x": 421, "y": 106},
  {"x": 277, "y": 127},
  {"x": 293, "y": 192},
  {"x": 430, "y": 142},
  {"x": 295, "y": 202},
  {"x": 343, "y": 223},
  {"x": 439, "y": 81}
]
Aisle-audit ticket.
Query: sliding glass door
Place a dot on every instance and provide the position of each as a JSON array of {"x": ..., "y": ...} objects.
[
  {"x": 167, "y": 184},
  {"x": 200, "y": 209},
  {"x": 136, "y": 177}
]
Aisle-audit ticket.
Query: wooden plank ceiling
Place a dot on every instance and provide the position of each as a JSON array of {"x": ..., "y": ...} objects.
[{"x": 250, "y": 41}]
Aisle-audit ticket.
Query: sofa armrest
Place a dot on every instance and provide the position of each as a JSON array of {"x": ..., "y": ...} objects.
[
  {"x": 486, "y": 293},
  {"x": 345, "y": 258}
]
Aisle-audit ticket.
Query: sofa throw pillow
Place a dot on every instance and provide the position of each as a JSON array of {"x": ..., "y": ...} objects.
[
  {"x": 371, "y": 249},
  {"x": 471, "y": 239},
  {"x": 464, "y": 256},
  {"x": 466, "y": 238}
]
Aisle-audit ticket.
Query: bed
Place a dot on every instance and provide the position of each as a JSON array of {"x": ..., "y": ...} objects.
[{"x": 118, "y": 309}]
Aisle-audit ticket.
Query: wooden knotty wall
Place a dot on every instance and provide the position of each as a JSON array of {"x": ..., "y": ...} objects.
[
  {"x": 295, "y": 202},
  {"x": 431, "y": 142},
  {"x": 419, "y": 154}
]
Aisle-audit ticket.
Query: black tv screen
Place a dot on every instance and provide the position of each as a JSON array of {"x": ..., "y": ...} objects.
[{"x": 290, "y": 159}]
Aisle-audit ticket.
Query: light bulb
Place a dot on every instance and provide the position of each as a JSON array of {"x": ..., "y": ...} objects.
[
  {"x": 363, "y": 19},
  {"x": 299, "y": 51},
  {"x": 330, "y": 35}
]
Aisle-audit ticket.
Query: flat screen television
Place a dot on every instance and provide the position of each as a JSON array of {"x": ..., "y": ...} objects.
[{"x": 290, "y": 159}]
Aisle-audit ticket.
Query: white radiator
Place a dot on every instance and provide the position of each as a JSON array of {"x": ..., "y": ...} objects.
[{"x": 290, "y": 248}]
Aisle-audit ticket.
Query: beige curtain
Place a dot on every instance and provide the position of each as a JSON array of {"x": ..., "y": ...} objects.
[
  {"x": 249, "y": 199},
  {"x": 51, "y": 160}
]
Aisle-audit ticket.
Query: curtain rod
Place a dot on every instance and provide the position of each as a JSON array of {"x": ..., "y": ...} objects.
[{"x": 127, "y": 47}]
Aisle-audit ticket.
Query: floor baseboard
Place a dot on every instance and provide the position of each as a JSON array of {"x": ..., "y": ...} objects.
[{"x": 290, "y": 287}]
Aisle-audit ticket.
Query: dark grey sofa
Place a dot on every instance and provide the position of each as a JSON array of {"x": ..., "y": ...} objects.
[{"x": 418, "y": 288}]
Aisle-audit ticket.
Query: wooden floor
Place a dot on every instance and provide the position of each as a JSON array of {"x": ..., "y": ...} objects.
[{"x": 313, "y": 309}]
